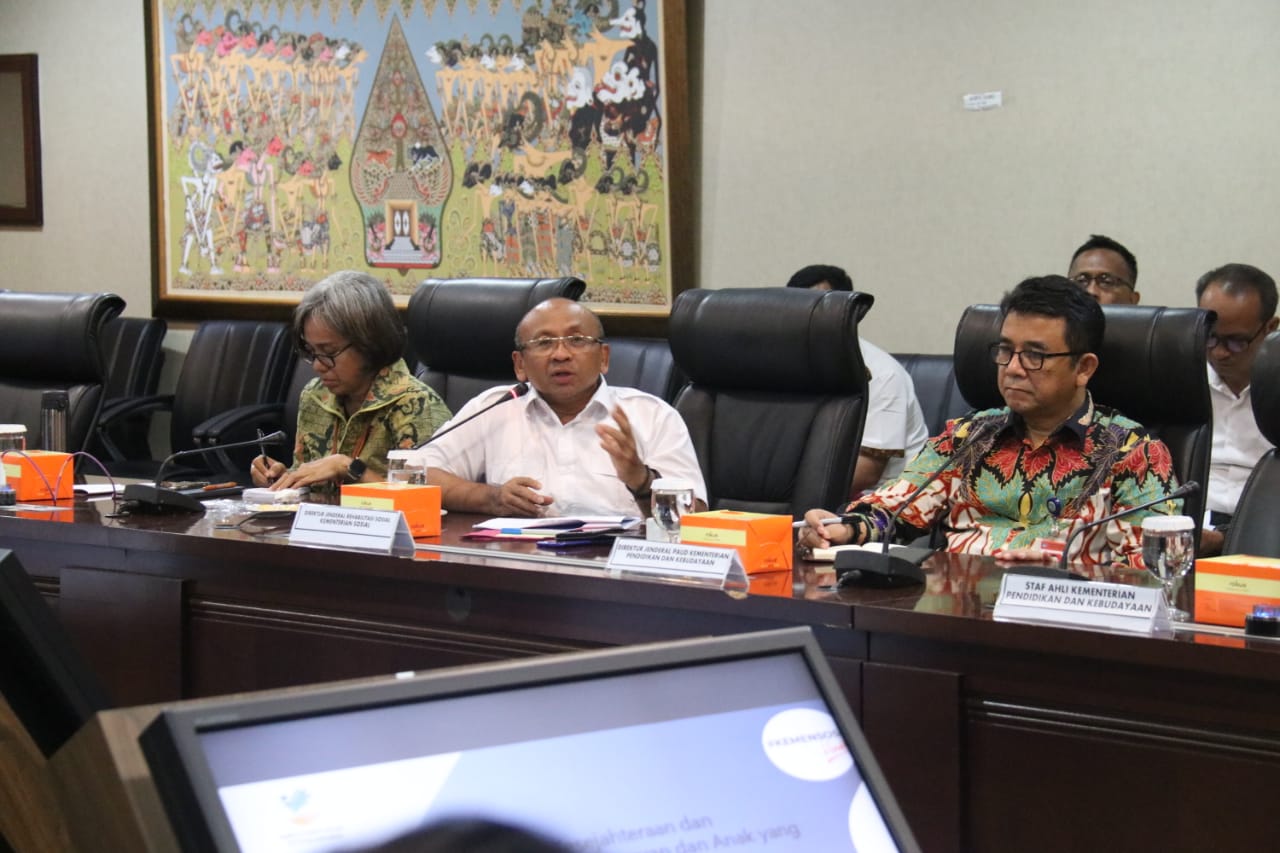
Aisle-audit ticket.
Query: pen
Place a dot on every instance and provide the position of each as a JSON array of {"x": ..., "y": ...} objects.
[
  {"x": 266, "y": 460},
  {"x": 214, "y": 486},
  {"x": 825, "y": 522}
]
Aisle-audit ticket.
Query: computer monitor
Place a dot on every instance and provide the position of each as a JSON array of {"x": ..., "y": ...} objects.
[
  {"x": 48, "y": 685},
  {"x": 705, "y": 744}
]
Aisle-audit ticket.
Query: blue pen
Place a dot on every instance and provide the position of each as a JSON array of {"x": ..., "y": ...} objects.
[{"x": 514, "y": 530}]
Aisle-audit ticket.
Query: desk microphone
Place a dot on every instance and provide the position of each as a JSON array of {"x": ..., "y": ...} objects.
[
  {"x": 902, "y": 567},
  {"x": 516, "y": 391},
  {"x": 1182, "y": 491},
  {"x": 155, "y": 498}
]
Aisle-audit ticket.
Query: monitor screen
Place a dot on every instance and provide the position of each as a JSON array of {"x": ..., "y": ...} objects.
[
  {"x": 44, "y": 679},
  {"x": 710, "y": 744}
]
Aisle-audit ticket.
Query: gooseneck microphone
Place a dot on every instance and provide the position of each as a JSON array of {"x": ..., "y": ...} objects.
[
  {"x": 515, "y": 392},
  {"x": 901, "y": 567},
  {"x": 1185, "y": 489},
  {"x": 152, "y": 497}
]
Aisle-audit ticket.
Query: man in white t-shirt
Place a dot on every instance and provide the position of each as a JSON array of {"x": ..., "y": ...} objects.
[
  {"x": 895, "y": 429},
  {"x": 1244, "y": 298},
  {"x": 574, "y": 445}
]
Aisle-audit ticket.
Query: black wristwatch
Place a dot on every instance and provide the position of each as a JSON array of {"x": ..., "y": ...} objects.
[
  {"x": 643, "y": 493},
  {"x": 356, "y": 470}
]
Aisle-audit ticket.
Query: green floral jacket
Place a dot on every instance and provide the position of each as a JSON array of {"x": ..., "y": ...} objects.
[{"x": 399, "y": 412}]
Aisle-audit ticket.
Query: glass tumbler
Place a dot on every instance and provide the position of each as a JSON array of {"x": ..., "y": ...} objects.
[{"x": 671, "y": 499}]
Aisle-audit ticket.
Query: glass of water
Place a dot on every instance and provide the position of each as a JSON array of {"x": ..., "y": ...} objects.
[
  {"x": 671, "y": 499},
  {"x": 402, "y": 467},
  {"x": 1169, "y": 551}
]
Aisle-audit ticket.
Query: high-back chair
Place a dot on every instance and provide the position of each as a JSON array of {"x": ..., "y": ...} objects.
[
  {"x": 934, "y": 378},
  {"x": 1253, "y": 528},
  {"x": 53, "y": 342},
  {"x": 133, "y": 350},
  {"x": 1151, "y": 369},
  {"x": 646, "y": 364},
  {"x": 463, "y": 329},
  {"x": 230, "y": 363},
  {"x": 777, "y": 394}
]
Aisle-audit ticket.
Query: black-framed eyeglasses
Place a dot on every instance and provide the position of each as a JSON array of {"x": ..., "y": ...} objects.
[
  {"x": 1235, "y": 344},
  {"x": 1030, "y": 359},
  {"x": 545, "y": 346},
  {"x": 1104, "y": 280},
  {"x": 326, "y": 359}
]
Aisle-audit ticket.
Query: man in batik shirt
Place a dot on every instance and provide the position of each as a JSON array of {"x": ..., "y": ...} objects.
[{"x": 1049, "y": 441}]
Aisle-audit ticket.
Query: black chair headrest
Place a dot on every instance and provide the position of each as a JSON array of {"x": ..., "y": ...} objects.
[
  {"x": 467, "y": 325},
  {"x": 1148, "y": 353},
  {"x": 746, "y": 338},
  {"x": 1264, "y": 388},
  {"x": 55, "y": 335}
]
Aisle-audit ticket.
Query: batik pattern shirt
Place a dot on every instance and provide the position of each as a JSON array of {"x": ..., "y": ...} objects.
[
  {"x": 399, "y": 412},
  {"x": 995, "y": 493}
]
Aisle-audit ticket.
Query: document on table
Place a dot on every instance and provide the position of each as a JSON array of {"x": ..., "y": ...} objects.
[{"x": 556, "y": 523}]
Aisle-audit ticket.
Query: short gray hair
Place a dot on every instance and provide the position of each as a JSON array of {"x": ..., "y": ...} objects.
[{"x": 359, "y": 308}]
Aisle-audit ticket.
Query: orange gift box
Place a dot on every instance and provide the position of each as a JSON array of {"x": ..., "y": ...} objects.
[
  {"x": 763, "y": 542},
  {"x": 1227, "y": 588},
  {"x": 21, "y": 472},
  {"x": 420, "y": 504}
]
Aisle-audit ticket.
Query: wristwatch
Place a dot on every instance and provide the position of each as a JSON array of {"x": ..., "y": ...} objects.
[
  {"x": 356, "y": 470},
  {"x": 643, "y": 493}
]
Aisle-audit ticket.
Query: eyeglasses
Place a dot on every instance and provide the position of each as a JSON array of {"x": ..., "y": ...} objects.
[
  {"x": 326, "y": 359},
  {"x": 1030, "y": 359},
  {"x": 1104, "y": 280},
  {"x": 546, "y": 346},
  {"x": 1235, "y": 344}
]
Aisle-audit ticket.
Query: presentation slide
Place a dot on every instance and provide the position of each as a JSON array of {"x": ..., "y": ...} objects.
[{"x": 769, "y": 778}]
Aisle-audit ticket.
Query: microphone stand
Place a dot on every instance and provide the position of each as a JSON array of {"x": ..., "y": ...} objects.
[
  {"x": 1185, "y": 489},
  {"x": 152, "y": 497},
  {"x": 516, "y": 391}
]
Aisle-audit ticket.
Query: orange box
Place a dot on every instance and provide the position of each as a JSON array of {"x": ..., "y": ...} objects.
[
  {"x": 762, "y": 541},
  {"x": 1228, "y": 587},
  {"x": 20, "y": 471},
  {"x": 420, "y": 504}
]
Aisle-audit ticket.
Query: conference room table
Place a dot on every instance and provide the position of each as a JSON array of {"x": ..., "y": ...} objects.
[{"x": 993, "y": 735}]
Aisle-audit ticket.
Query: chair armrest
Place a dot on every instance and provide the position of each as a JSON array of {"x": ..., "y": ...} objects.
[
  {"x": 235, "y": 424},
  {"x": 117, "y": 409}
]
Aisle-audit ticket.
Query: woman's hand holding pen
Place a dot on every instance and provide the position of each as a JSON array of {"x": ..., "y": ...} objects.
[{"x": 266, "y": 471}]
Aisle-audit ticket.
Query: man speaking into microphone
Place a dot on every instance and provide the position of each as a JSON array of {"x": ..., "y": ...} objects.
[
  {"x": 1000, "y": 468},
  {"x": 574, "y": 445}
]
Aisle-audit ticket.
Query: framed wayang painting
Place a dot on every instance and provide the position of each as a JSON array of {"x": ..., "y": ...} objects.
[{"x": 417, "y": 139}]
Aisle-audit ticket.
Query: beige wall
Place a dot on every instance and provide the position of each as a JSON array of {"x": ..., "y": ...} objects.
[{"x": 831, "y": 131}]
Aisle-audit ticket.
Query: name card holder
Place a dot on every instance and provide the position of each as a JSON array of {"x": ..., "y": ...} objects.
[
  {"x": 378, "y": 530},
  {"x": 1082, "y": 604},
  {"x": 719, "y": 568}
]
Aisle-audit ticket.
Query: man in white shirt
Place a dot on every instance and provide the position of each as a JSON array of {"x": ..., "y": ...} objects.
[
  {"x": 895, "y": 429},
  {"x": 574, "y": 445},
  {"x": 1106, "y": 270},
  {"x": 1244, "y": 298}
]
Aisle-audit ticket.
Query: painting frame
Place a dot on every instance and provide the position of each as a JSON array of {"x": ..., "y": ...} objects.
[
  {"x": 21, "y": 99},
  {"x": 675, "y": 171}
]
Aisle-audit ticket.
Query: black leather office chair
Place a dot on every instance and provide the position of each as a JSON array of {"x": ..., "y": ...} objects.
[
  {"x": 230, "y": 363},
  {"x": 777, "y": 394},
  {"x": 133, "y": 350},
  {"x": 463, "y": 330},
  {"x": 1151, "y": 369},
  {"x": 1253, "y": 528},
  {"x": 53, "y": 342},
  {"x": 934, "y": 378},
  {"x": 646, "y": 364}
]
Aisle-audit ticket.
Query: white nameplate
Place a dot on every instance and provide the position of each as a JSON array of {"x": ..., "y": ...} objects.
[
  {"x": 1084, "y": 604},
  {"x": 350, "y": 527},
  {"x": 718, "y": 567}
]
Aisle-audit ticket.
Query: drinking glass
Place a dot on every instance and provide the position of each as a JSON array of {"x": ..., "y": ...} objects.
[
  {"x": 1169, "y": 550},
  {"x": 402, "y": 467},
  {"x": 671, "y": 499}
]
